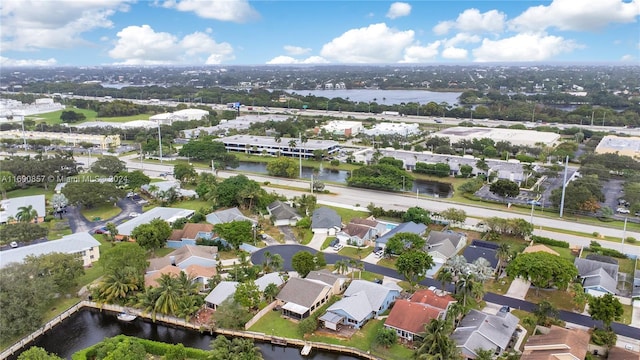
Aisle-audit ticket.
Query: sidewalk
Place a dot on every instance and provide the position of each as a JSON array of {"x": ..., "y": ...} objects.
[{"x": 635, "y": 317}]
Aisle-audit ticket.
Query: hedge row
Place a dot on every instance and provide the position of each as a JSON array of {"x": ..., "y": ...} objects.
[
  {"x": 550, "y": 242},
  {"x": 150, "y": 346}
]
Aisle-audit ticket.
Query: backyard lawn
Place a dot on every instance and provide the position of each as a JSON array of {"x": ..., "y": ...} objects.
[
  {"x": 356, "y": 253},
  {"x": 103, "y": 212},
  {"x": 348, "y": 214},
  {"x": 500, "y": 286},
  {"x": 560, "y": 299},
  {"x": 193, "y": 204}
]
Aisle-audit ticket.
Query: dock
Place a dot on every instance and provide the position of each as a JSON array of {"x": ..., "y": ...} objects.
[
  {"x": 278, "y": 341},
  {"x": 305, "y": 350}
]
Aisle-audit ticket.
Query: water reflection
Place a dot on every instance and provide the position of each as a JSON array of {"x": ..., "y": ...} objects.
[
  {"x": 90, "y": 326},
  {"x": 425, "y": 187}
]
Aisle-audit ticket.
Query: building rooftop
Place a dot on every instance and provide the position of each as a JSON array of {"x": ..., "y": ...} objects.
[
  {"x": 311, "y": 144},
  {"x": 11, "y": 207},
  {"x": 69, "y": 244},
  {"x": 167, "y": 214},
  {"x": 514, "y": 136}
]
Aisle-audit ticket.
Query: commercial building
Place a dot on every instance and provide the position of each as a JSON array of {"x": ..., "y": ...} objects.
[
  {"x": 513, "y": 136},
  {"x": 386, "y": 128},
  {"x": 342, "y": 128},
  {"x": 103, "y": 141},
  {"x": 180, "y": 115},
  {"x": 611, "y": 144},
  {"x": 266, "y": 145},
  {"x": 240, "y": 123}
]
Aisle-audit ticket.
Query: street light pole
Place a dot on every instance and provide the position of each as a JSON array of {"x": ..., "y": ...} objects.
[
  {"x": 533, "y": 204},
  {"x": 624, "y": 234},
  {"x": 159, "y": 141},
  {"x": 300, "y": 152},
  {"x": 403, "y": 183}
]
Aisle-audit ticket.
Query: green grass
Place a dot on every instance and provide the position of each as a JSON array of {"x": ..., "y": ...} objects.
[
  {"x": 356, "y": 253},
  {"x": 563, "y": 252},
  {"x": 501, "y": 286},
  {"x": 30, "y": 191},
  {"x": 274, "y": 324},
  {"x": 389, "y": 262},
  {"x": 104, "y": 212},
  {"x": 626, "y": 315},
  {"x": 54, "y": 117},
  {"x": 348, "y": 214},
  {"x": 193, "y": 204},
  {"x": 560, "y": 299},
  {"x": 326, "y": 242}
]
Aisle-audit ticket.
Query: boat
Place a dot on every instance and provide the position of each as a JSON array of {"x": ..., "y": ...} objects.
[{"x": 126, "y": 316}]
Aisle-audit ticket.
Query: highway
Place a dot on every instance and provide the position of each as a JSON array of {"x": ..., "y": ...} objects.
[
  {"x": 287, "y": 251},
  {"x": 354, "y": 197}
]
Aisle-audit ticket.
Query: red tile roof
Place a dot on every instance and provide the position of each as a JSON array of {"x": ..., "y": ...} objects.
[
  {"x": 431, "y": 298},
  {"x": 411, "y": 316}
]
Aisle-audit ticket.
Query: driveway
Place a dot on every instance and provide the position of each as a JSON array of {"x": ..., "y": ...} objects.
[
  {"x": 518, "y": 288},
  {"x": 79, "y": 223},
  {"x": 635, "y": 318},
  {"x": 317, "y": 240},
  {"x": 289, "y": 238}
]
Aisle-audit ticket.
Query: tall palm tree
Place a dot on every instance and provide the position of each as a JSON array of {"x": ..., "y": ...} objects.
[
  {"x": 445, "y": 277},
  {"x": 341, "y": 266},
  {"x": 266, "y": 263},
  {"x": 270, "y": 292},
  {"x": 117, "y": 286},
  {"x": 26, "y": 213},
  {"x": 188, "y": 306},
  {"x": 277, "y": 262},
  {"x": 437, "y": 343},
  {"x": 468, "y": 287},
  {"x": 167, "y": 302},
  {"x": 503, "y": 253}
]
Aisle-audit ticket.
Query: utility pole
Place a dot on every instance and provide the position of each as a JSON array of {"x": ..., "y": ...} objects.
[
  {"x": 564, "y": 185},
  {"x": 624, "y": 234},
  {"x": 159, "y": 141},
  {"x": 300, "y": 152},
  {"x": 593, "y": 112},
  {"x": 311, "y": 183}
]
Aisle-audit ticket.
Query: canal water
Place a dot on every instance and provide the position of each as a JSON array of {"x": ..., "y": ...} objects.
[
  {"x": 90, "y": 326},
  {"x": 423, "y": 187}
]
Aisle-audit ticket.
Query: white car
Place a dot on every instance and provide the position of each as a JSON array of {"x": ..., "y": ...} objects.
[
  {"x": 338, "y": 247},
  {"x": 623, "y": 211},
  {"x": 133, "y": 214},
  {"x": 13, "y": 244},
  {"x": 379, "y": 254}
]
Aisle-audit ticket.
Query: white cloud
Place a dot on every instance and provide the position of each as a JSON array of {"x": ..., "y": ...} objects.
[
  {"x": 287, "y": 60},
  {"x": 472, "y": 21},
  {"x": 398, "y": 9},
  {"x": 296, "y": 50},
  {"x": 462, "y": 38},
  {"x": 582, "y": 16},
  {"x": 523, "y": 47},
  {"x": 455, "y": 53},
  {"x": 417, "y": 53},
  {"x": 141, "y": 45},
  {"x": 35, "y": 24},
  {"x": 373, "y": 44},
  {"x": 4, "y": 61},
  {"x": 224, "y": 10},
  {"x": 627, "y": 57}
]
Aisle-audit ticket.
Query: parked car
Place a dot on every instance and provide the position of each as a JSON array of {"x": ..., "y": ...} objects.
[
  {"x": 623, "y": 211},
  {"x": 133, "y": 214},
  {"x": 13, "y": 244},
  {"x": 505, "y": 309},
  {"x": 534, "y": 202},
  {"x": 338, "y": 247},
  {"x": 100, "y": 230},
  {"x": 379, "y": 254},
  {"x": 377, "y": 281},
  {"x": 334, "y": 242}
]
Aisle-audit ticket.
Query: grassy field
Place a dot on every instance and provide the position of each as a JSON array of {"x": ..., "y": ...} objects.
[
  {"x": 30, "y": 191},
  {"x": 560, "y": 299},
  {"x": 104, "y": 212},
  {"x": 356, "y": 253},
  {"x": 348, "y": 214},
  {"x": 54, "y": 117},
  {"x": 500, "y": 286},
  {"x": 193, "y": 204}
]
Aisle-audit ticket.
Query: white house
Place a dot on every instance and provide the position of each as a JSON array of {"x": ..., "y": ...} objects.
[{"x": 82, "y": 244}]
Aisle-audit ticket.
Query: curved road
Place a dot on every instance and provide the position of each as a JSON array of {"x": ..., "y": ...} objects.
[{"x": 287, "y": 251}]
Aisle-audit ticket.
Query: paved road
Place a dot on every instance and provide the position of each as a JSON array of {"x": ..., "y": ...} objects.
[
  {"x": 79, "y": 223},
  {"x": 287, "y": 251}
]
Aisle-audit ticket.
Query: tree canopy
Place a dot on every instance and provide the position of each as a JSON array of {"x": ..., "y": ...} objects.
[
  {"x": 413, "y": 265},
  {"x": 544, "y": 270},
  {"x": 606, "y": 308},
  {"x": 417, "y": 215},
  {"x": 283, "y": 167},
  {"x": 303, "y": 262},
  {"x": 506, "y": 188},
  {"x": 152, "y": 235},
  {"x": 403, "y": 242},
  {"x": 380, "y": 177},
  {"x": 204, "y": 149},
  {"x": 108, "y": 165},
  {"x": 89, "y": 193},
  {"x": 236, "y": 232}
]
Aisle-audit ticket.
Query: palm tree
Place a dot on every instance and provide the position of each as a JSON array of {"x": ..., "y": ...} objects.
[
  {"x": 170, "y": 293},
  {"x": 188, "y": 306},
  {"x": 270, "y": 292},
  {"x": 147, "y": 300},
  {"x": 503, "y": 253},
  {"x": 467, "y": 286},
  {"x": 341, "y": 266},
  {"x": 277, "y": 262},
  {"x": 26, "y": 213},
  {"x": 437, "y": 343},
  {"x": 353, "y": 263},
  {"x": 116, "y": 286},
  {"x": 445, "y": 277},
  {"x": 266, "y": 263}
]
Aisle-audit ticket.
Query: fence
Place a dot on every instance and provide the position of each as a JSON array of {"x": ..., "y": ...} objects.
[{"x": 260, "y": 314}]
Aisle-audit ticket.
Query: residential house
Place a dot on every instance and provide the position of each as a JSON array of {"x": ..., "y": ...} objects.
[
  {"x": 409, "y": 316},
  {"x": 325, "y": 221},
  {"x": 598, "y": 278},
  {"x": 478, "y": 330},
  {"x": 227, "y": 216},
  {"x": 9, "y": 208},
  {"x": 636, "y": 284},
  {"x": 539, "y": 248},
  {"x": 283, "y": 214},
  {"x": 481, "y": 249},
  {"x": 271, "y": 278},
  {"x": 199, "y": 274},
  {"x": 617, "y": 353},
  {"x": 205, "y": 256},
  {"x": 165, "y": 213},
  {"x": 299, "y": 298},
  {"x": 363, "y": 300},
  {"x": 361, "y": 232},
  {"x": 223, "y": 291},
  {"x": 407, "y": 227},
  {"x": 337, "y": 282},
  {"x": 442, "y": 245},
  {"x": 82, "y": 244},
  {"x": 160, "y": 189},
  {"x": 189, "y": 234},
  {"x": 557, "y": 343}
]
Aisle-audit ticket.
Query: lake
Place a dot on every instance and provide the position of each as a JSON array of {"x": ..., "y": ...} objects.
[
  {"x": 384, "y": 97},
  {"x": 425, "y": 187},
  {"x": 90, "y": 326}
]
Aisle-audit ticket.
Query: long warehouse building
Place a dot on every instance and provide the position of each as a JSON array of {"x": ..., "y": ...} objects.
[{"x": 513, "y": 136}]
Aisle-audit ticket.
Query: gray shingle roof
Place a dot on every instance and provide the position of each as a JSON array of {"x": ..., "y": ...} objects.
[
  {"x": 164, "y": 213},
  {"x": 10, "y": 207},
  {"x": 438, "y": 237},
  {"x": 325, "y": 218},
  {"x": 409, "y": 227},
  {"x": 600, "y": 278},
  {"x": 376, "y": 293},
  {"x": 472, "y": 253},
  {"x": 301, "y": 291},
  {"x": 270, "y": 278},
  {"x": 486, "y": 331},
  {"x": 357, "y": 306},
  {"x": 227, "y": 215},
  {"x": 282, "y": 211},
  {"x": 586, "y": 266},
  {"x": 325, "y": 276}
]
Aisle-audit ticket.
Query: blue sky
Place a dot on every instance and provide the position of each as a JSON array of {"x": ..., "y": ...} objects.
[{"x": 240, "y": 32}]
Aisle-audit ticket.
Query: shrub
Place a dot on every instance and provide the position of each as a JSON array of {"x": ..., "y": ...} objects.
[
  {"x": 48, "y": 218},
  {"x": 630, "y": 240},
  {"x": 308, "y": 325},
  {"x": 596, "y": 234},
  {"x": 603, "y": 337},
  {"x": 550, "y": 242},
  {"x": 386, "y": 337}
]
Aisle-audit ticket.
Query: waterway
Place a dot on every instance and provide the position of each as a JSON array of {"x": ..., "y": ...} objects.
[
  {"x": 90, "y": 326},
  {"x": 422, "y": 187},
  {"x": 384, "y": 97}
]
